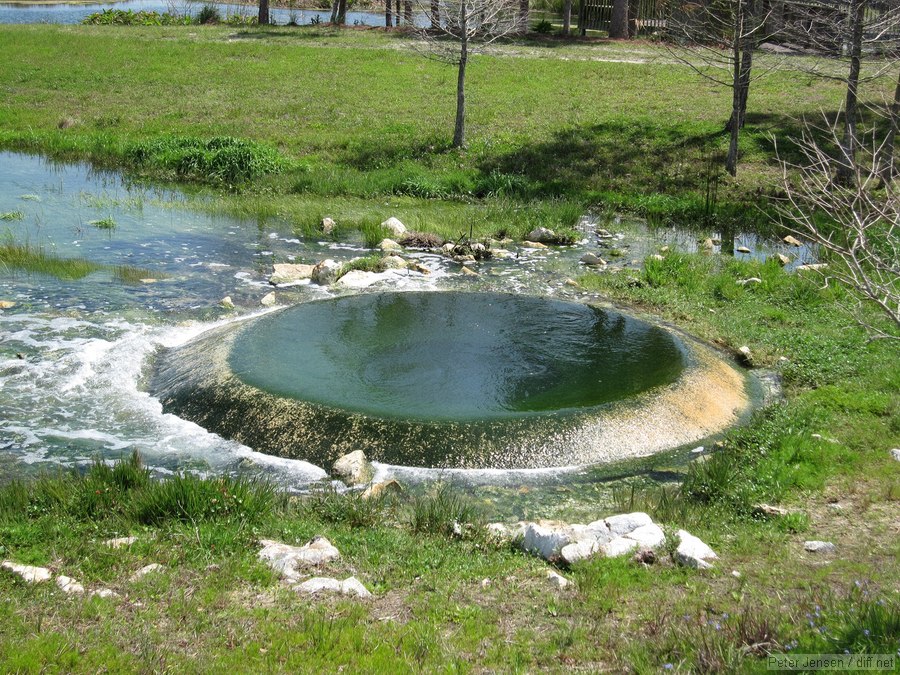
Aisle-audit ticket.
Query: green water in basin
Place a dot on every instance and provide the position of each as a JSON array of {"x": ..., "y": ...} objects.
[{"x": 454, "y": 356}]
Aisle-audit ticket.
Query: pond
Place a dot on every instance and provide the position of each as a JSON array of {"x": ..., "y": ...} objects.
[
  {"x": 76, "y": 355},
  {"x": 71, "y": 13}
]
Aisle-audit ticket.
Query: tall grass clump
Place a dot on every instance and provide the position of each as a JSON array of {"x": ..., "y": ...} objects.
[
  {"x": 443, "y": 512},
  {"x": 12, "y": 215},
  {"x": 208, "y": 14},
  {"x": 219, "y": 160},
  {"x": 35, "y": 260},
  {"x": 327, "y": 505},
  {"x": 189, "y": 498}
]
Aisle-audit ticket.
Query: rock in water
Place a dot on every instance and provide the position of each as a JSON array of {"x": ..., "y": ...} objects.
[
  {"x": 389, "y": 245},
  {"x": 396, "y": 228},
  {"x": 268, "y": 300},
  {"x": 326, "y": 272},
  {"x": 287, "y": 273},
  {"x": 542, "y": 235},
  {"x": 792, "y": 241},
  {"x": 353, "y": 469}
]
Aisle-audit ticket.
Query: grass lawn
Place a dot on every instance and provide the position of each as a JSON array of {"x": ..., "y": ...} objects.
[{"x": 355, "y": 125}]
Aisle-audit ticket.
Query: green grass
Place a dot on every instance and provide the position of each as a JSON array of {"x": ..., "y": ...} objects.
[
  {"x": 12, "y": 215},
  {"x": 104, "y": 223},
  {"x": 36, "y": 260},
  {"x": 327, "y": 117}
]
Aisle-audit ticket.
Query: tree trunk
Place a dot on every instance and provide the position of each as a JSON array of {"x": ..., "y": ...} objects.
[
  {"x": 397, "y": 13},
  {"x": 407, "y": 12},
  {"x": 341, "y": 12},
  {"x": 744, "y": 85},
  {"x": 435, "y": 13},
  {"x": 388, "y": 19},
  {"x": 523, "y": 16},
  {"x": 851, "y": 107},
  {"x": 634, "y": 10},
  {"x": 731, "y": 158},
  {"x": 459, "y": 132},
  {"x": 618, "y": 23},
  {"x": 886, "y": 161},
  {"x": 263, "y": 17},
  {"x": 567, "y": 17},
  {"x": 582, "y": 18}
]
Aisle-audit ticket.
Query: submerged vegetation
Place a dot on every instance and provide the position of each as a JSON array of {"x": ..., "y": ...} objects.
[{"x": 36, "y": 260}]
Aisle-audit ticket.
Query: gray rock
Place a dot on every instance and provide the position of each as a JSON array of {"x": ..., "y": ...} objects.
[
  {"x": 504, "y": 532},
  {"x": 287, "y": 273},
  {"x": 627, "y": 522},
  {"x": 895, "y": 453},
  {"x": 226, "y": 302},
  {"x": 533, "y": 244},
  {"x": 327, "y": 225},
  {"x": 69, "y": 585},
  {"x": 287, "y": 560},
  {"x": 542, "y": 235},
  {"x": 745, "y": 356},
  {"x": 349, "y": 586},
  {"x": 819, "y": 546},
  {"x": 592, "y": 259},
  {"x": 29, "y": 573},
  {"x": 268, "y": 300},
  {"x": 556, "y": 580},
  {"x": 326, "y": 272},
  {"x": 104, "y": 593},
  {"x": 396, "y": 228},
  {"x": 818, "y": 267},
  {"x": 742, "y": 249},
  {"x": 353, "y": 468},
  {"x": 783, "y": 259},
  {"x": 792, "y": 241},
  {"x": 119, "y": 542},
  {"x": 769, "y": 511},
  {"x": 693, "y": 552}
]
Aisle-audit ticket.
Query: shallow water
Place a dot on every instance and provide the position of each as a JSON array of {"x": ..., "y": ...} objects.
[
  {"x": 67, "y": 13},
  {"x": 74, "y": 354}
]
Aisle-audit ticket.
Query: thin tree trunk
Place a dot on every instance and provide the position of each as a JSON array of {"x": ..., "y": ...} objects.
[
  {"x": 407, "y": 12},
  {"x": 567, "y": 17},
  {"x": 388, "y": 19},
  {"x": 523, "y": 16},
  {"x": 634, "y": 11},
  {"x": 582, "y": 18},
  {"x": 263, "y": 17},
  {"x": 731, "y": 158},
  {"x": 744, "y": 85},
  {"x": 342, "y": 12},
  {"x": 851, "y": 107},
  {"x": 334, "y": 10},
  {"x": 618, "y": 23},
  {"x": 459, "y": 132},
  {"x": 886, "y": 162},
  {"x": 397, "y": 13},
  {"x": 435, "y": 13}
]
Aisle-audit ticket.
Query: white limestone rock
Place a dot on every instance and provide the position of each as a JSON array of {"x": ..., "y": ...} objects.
[
  {"x": 104, "y": 593},
  {"x": 396, "y": 228},
  {"x": 326, "y": 272},
  {"x": 648, "y": 536},
  {"x": 546, "y": 538},
  {"x": 895, "y": 453},
  {"x": 29, "y": 573},
  {"x": 327, "y": 225},
  {"x": 792, "y": 241},
  {"x": 556, "y": 580},
  {"x": 286, "y": 559},
  {"x": 69, "y": 585},
  {"x": 393, "y": 262},
  {"x": 349, "y": 586},
  {"x": 579, "y": 550},
  {"x": 287, "y": 273},
  {"x": 592, "y": 259},
  {"x": 693, "y": 552},
  {"x": 145, "y": 570},
  {"x": 358, "y": 279},
  {"x": 353, "y": 468},
  {"x": 268, "y": 300},
  {"x": 382, "y": 489},
  {"x": 627, "y": 522},
  {"x": 618, "y": 546},
  {"x": 120, "y": 542},
  {"x": 819, "y": 546}
]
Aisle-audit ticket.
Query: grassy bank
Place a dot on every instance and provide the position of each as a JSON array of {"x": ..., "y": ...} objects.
[{"x": 360, "y": 115}]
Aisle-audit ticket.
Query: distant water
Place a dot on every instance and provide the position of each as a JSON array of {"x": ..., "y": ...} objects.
[{"x": 74, "y": 13}]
